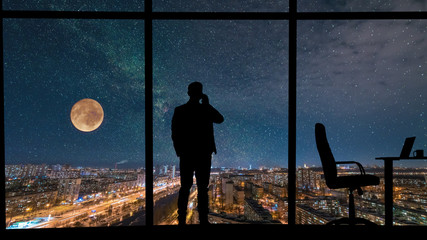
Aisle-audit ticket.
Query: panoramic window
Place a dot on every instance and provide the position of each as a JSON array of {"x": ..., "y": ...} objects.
[
  {"x": 243, "y": 68},
  {"x": 74, "y": 122},
  {"x": 366, "y": 82},
  {"x": 88, "y": 137}
]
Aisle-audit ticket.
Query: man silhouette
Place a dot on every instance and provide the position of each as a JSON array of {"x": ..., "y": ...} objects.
[{"x": 194, "y": 143}]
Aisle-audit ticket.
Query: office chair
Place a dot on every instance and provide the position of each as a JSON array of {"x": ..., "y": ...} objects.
[{"x": 333, "y": 181}]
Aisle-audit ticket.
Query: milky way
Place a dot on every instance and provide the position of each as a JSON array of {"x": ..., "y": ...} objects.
[
  {"x": 243, "y": 66},
  {"x": 51, "y": 64}
]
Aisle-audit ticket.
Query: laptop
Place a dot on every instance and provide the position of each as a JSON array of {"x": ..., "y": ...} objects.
[{"x": 406, "y": 149}]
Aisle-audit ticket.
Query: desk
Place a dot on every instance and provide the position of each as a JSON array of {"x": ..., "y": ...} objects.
[{"x": 388, "y": 185}]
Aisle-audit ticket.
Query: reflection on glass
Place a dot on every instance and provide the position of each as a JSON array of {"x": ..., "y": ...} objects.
[
  {"x": 74, "y": 122},
  {"x": 361, "y": 5},
  {"x": 365, "y": 81},
  {"x": 220, "y": 6},
  {"x": 75, "y": 5},
  {"x": 243, "y": 68}
]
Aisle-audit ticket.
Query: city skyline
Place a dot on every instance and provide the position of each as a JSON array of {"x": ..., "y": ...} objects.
[{"x": 236, "y": 197}]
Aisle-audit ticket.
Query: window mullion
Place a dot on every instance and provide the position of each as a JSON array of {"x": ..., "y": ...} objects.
[
  {"x": 292, "y": 113},
  {"x": 149, "y": 114}
]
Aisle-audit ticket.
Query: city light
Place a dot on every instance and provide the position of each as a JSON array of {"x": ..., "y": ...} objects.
[{"x": 236, "y": 196}]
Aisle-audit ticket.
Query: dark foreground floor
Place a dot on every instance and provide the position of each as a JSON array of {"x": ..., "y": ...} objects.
[{"x": 220, "y": 232}]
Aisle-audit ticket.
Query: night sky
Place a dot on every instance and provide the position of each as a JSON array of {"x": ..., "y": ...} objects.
[
  {"x": 243, "y": 66},
  {"x": 49, "y": 65},
  {"x": 365, "y": 80},
  {"x": 75, "y": 5}
]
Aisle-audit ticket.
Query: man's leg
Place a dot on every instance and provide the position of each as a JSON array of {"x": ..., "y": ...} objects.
[
  {"x": 186, "y": 173},
  {"x": 203, "y": 171}
]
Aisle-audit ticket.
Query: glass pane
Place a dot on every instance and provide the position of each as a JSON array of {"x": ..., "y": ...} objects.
[
  {"x": 366, "y": 82},
  {"x": 75, "y": 5},
  {"x": 220, "y": 6},
  {"x": 243, "y": 68},
  {"x": 74, "y": 122},
  {"x": 361, "y": 5}
]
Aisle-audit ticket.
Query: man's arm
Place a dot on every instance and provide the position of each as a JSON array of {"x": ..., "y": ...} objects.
[{"x": 214, "y": 114}]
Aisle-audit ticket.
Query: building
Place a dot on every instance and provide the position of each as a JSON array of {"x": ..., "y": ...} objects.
[
  {"x": 308, "y": 215},
  {"x": 308, "y": 179},
  {"x": 239, "y": 195},
  {"x": 22, "y": 203},
  {"x": 255, "y": 212},
  {"x": 257, "y": 192},
  {"x": 140, "y": 180},
  {"x": 25, "y": 170},
  {"x": 68, "y": 189},
  {"x": 228, "y": 201},
  {"x": 279, "y": 191}
]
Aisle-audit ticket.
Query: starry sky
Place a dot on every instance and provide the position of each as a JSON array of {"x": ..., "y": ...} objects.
[
  {"x": 360, "y": 5},
  {"x": 243, "y": 66},
  {"x": 49, "y": 65},
  {"x": 365, "y": 80},
  {"x": 75, "y": 5},
  {"x": 220, "y": 5}
]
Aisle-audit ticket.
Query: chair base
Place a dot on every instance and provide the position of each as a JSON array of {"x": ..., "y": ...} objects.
[{"x": 351, "y": 222}]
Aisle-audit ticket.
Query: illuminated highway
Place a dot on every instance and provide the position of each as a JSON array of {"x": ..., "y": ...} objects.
[
  {"x": 86, "y": 215},
  {"x": 99, "y": 211}
]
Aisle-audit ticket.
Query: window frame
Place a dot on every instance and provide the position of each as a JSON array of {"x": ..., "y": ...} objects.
[{"x": 292, "y": 16}]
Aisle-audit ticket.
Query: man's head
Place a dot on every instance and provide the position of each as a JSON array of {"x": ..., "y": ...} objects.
[{"x": 195, "y": 90}]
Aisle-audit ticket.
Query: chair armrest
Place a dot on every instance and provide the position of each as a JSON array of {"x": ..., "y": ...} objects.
[{"x": 362, "y": 170}]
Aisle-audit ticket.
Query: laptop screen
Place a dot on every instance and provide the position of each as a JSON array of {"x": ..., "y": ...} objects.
[{"x": 407, "y": 147}]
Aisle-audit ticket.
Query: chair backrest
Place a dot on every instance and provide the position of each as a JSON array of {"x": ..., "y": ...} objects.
[{"x": 326, "y": 156}]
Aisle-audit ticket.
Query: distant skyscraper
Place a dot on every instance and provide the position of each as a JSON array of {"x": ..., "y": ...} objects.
[
  {"x": 228, "y": 193},
  {"x": 68, "y": 189},
  {"x": 173, "y": 171},
  {"x": 140, "y": 180}
]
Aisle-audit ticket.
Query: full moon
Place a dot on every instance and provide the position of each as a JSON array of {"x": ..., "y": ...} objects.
[{"x": 87, "y": 115}]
